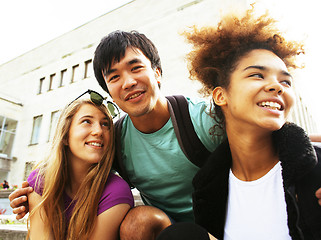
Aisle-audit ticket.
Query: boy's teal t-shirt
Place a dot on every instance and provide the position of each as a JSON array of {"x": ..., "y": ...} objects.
[{"x": 158, "y": 168}]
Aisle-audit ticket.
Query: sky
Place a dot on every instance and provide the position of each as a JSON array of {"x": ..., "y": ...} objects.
[{"x": 26, "y": 25}]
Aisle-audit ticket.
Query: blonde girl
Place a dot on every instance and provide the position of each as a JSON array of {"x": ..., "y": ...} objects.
[{"x": 76, "y": 196}]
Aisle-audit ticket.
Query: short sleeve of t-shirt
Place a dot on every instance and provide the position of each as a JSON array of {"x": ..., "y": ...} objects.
[
  {"x": 116, "y": 192},
  {"x": 32, "y": 180},
  {"x": 203, "y": 122}
]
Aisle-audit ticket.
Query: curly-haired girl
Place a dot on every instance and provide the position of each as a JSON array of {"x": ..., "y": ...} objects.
[{"x": 260, "y": 183}]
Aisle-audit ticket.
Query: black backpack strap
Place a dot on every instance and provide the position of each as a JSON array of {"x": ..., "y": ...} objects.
[
  {"x": 187, "y": 138},
  {"x": 118, "y": 164}
]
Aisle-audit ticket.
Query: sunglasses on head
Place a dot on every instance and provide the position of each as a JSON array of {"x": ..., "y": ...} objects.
[{"x": 97, "y": 99}]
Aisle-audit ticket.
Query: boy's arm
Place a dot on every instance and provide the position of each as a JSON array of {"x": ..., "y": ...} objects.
[{"x": 19, "y": 200}]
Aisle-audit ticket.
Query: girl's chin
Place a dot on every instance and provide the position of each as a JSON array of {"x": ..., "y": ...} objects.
[{"x": 274, "y": 126}]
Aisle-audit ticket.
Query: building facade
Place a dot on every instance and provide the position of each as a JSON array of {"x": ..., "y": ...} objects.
[{"x": 37, "y": 84}]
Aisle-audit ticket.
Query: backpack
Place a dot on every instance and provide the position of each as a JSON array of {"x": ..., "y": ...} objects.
[{"x": 187, "y": 138}]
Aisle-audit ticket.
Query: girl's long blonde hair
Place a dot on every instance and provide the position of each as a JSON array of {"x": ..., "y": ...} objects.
[{"x": 54, "y": 171}]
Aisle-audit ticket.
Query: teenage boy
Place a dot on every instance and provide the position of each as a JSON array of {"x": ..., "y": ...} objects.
[{"x": 128, "y": 67}]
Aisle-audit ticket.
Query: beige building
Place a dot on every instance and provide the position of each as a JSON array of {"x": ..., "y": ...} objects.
[{"x": 36, "y": 85}]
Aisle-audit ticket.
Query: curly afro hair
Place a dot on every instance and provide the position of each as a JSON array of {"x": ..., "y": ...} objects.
[{"x": 217, "y": 50}]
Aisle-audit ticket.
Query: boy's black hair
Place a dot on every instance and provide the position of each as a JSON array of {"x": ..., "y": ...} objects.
[{"x": 112, "y": 49}]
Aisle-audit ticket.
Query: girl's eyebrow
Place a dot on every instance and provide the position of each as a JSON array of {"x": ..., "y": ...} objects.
[
  {"x": 265, "y": 68},
  {"x": 255, "y": 67},
  {"x": 286, "y": 73},
  {"x": 90, "y": 116},
  {"x": 87, "y": 116}
]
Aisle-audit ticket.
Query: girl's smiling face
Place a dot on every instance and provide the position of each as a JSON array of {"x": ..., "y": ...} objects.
[
  {"x": 89, "y": 135},
  {"x": 260, "y": 93}
]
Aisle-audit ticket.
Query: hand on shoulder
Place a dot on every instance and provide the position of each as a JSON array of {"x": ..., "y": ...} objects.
[{"x": 19, "y": 200}]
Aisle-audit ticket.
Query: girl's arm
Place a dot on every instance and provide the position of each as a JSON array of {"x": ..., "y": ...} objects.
[
  {"x": 318, "y": 195},
  {"x": 38, "y": 229},
  {"x": 315, "y": 138},
  {"x": 108, "y": 223}
]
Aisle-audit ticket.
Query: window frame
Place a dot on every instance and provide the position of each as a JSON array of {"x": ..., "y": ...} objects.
[{"x": 35, "y": 138}]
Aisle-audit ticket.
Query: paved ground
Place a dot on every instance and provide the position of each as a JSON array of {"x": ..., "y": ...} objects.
[
  {"x": 13, "y": 227},
  {"x": 9, "y": 224},
  {"x": 12, "y": 231}
]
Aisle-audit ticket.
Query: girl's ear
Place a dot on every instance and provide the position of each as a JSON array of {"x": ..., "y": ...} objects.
[{"x": 219, "y": 97}]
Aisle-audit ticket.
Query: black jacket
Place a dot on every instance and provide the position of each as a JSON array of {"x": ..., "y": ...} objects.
[{"x": 301, "y": 174}]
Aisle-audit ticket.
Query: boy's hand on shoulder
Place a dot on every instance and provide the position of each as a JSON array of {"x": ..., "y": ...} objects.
[{"x": 19, "y": 201}]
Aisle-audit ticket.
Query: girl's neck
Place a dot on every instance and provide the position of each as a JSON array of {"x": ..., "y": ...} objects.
[
  {"x": 77, "y": 174},
  {"x": 253, "y": 154}
]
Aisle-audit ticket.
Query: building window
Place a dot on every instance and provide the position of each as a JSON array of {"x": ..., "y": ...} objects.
[
  {"x": 1, "y": 120},
  {"x": 75, "y": 73},
  {"x": 62, "y": 77},
  {"x": 51, "y": 81},
  {"x": 41, "y": 85},
  {"x": 7, "y": 133},
  {"x": 88, "y": 68},
  {"x": 28, "y": 168},
  {"x": 36, "y": 129},
  {"x": 53, "y": 124}
]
